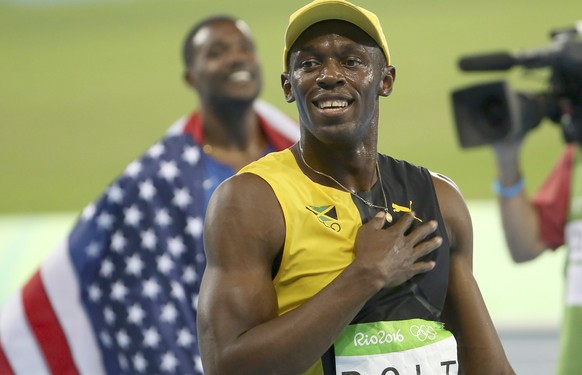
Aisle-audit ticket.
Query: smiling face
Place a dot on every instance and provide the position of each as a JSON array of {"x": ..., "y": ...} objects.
[
  {"x": 336, "y": 75},
  {"x": 225, "y": 68}
]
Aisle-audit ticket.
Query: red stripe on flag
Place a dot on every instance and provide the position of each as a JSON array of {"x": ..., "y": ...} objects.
[
  {"x": 5, "y": 368},
  {"x": 279, "y": 141},
  {"x": 46, "y": 328}
]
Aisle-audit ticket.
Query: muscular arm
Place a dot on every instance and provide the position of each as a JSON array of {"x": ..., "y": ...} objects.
[
  {"x": 480, "y": 350},
  {"x": 518, "y": 215},
  {"x": 239, "y": 329},
  {"x": 521, "y": 227}
]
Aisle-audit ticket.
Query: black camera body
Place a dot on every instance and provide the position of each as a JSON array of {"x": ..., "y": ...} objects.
[{"x": 491, "y": 112}]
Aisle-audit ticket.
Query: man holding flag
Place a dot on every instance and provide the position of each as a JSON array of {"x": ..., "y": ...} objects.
[{"x": 119, "y": 295}]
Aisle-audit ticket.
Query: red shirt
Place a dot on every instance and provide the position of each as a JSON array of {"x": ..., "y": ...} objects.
[{"x": 553, "y": 198}]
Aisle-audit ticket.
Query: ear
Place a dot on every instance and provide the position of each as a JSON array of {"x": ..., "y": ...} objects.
[
  {"x": 189, "y": 79},
  {"x": 286, "y": 85},
  {"x": 389, "y": 76}
]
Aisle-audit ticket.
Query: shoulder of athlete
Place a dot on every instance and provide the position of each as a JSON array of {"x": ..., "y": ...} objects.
[
  {"x": 244, "y": 213},
  {"x": 454, "y": 210}
]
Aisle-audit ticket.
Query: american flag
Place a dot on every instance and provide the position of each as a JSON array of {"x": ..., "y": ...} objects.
[{"x": 119, "y": 295}]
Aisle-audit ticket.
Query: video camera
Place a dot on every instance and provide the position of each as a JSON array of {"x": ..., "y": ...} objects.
[{"x": 490, "y": 112}]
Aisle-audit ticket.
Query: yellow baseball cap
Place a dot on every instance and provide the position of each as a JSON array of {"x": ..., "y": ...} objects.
[{"x": 322, "y": 10}]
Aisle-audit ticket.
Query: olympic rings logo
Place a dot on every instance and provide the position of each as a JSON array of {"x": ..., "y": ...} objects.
[{"x": 422, "y": 332}]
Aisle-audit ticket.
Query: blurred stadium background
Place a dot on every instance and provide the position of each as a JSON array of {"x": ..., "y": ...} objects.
[{"x": 87, "y": 85}]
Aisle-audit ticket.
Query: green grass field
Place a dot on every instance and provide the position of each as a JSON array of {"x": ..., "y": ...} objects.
[{"x": 85, "y": 88}]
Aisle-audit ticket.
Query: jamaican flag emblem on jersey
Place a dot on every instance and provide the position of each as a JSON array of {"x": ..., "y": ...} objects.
[{"x": 327, "y": 215}]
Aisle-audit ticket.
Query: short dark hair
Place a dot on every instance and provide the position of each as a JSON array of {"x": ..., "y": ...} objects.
[{"x": 188, "y": 47}]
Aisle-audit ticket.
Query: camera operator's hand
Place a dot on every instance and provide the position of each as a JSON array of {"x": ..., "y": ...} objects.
[
  {"x": 518, "y": 215},
  {"x": 507, "y": 158}
]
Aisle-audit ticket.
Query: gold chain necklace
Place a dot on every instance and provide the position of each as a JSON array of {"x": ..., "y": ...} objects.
[{"x": 353, "y": 193}]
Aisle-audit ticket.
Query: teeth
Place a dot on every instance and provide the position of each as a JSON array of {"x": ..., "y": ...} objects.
[
  {"x": 240, "y": 76},
  {"x": 332, "y": 104}
]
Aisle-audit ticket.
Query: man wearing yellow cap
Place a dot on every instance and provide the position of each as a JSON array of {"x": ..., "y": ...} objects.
[{"x": 328, "y": 257}]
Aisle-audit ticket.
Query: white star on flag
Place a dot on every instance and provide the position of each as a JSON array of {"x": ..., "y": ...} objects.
[
  {"x": 147, "y": 190},
  {"x": 94, "y": 293},
  {"x": 134, "y": 265},
  {"x": 132, "y": 216},
  {"x": 118, "y": 291},
  {"x": 105, "y": 220},
  {"x": 156, "y": 151},
  {"x": 122, "y": 339},
  {"x": 185, "y": 338},
  {"x": 176, "y": 246},
  {"x": 182, "y": 197},
  {"x": 114, "y": 194},
  {"x": 191, "y": 154},
  {"x": 151, "y": 288},
  {"x": 168, "y": 170},
  {"x": 148, "y": 239},
  {"x": 135, "y": 314},
  {"x": 194, "y": 226},
  {"x": 151, "y": 337},
  {"x": 169, "y": 362},
  {"x": 107, "y": 268},
  {"x": 169, "y": 313},
  {"x": 139, "y": 362},
  {"x": 133, "y": 169},
  {"x": 88, "y": 212},
  {"x": 118, "y": 242},
  {"x": 162, "y": 218},
  {"x": 165, "y": 264}
]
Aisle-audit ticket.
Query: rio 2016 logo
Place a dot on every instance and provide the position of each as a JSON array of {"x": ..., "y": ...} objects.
[{"x": 381, "y": 337}]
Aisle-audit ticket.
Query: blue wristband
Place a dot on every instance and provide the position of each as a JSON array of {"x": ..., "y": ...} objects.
[{"x": 509, "y": 191}]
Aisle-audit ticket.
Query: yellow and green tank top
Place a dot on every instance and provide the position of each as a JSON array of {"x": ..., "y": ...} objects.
[{"x": 321, "y": 225}]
